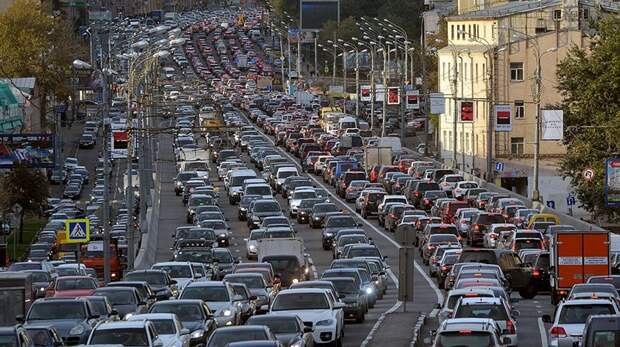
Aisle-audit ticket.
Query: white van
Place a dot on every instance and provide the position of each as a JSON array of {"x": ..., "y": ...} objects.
[
  {"x": 347, "y": 122},
  {"x": 283, "y": 173},
  {"x": 390, "y": 141}
]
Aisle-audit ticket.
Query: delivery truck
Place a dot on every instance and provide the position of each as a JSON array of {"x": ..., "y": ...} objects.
[
  {"x": 287, "y": 257},
  {"x": 377, "y": 156},
  {"x": 576, "y": 256},
  {"x": 16, "y": 296}
]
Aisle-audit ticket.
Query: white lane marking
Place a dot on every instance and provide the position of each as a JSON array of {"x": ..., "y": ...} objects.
[
  {"x": 434, "y": 313},
  {"x": 378, "y": 323},
  {"x": 315, "y": 274},
  {"x": 542, "y": 332}
]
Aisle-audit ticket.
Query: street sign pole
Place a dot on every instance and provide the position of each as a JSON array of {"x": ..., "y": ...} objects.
[{"x": 405, "y": 235}]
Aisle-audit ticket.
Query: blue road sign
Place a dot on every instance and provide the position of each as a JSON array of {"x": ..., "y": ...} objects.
[
  {"x": 499, "y": 166},
  {"x": 571, "y": 201},
  {"x": 551, "y": 204}
]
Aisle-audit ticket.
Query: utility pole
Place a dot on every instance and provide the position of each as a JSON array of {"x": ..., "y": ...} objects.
[
  {"x": 491, "y": 96},
  {"x": 456, "y": 111},
  {"x": 385, "y": 54},
  {"x": 427, "y": 97},
  {"x": 462, "y": 123},
  {"x": 357, "y": 83},
  {"x": 106, "y": 183},
  {"x": 129, "y": 190},
  {"x": 372, "y": 89},
  {"x": 536, "y": 190}
]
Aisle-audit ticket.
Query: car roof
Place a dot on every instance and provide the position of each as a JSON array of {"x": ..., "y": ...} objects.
[
  {"x": 586, "y": 302},
  {"x": 121, "y": 325},
  {"x": 475, "y": 324},
  {"x": 149, "y": 316},
  {"x": 206, "y": 284},
  {"x": 304, "y": 290},
  {"x": 481, "y": 300}
]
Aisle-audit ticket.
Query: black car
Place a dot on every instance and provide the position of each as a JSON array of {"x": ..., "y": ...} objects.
[
  {"x": 305, "y": 209},
  {"x": 244, "y": 204},
  {"x": 44, "y": 336},
  {"x": 194, "y": 314},
  {"x": 125, "y": 300},
  {"x": 335, "y": 223},
  {"x": 74, "y": 319},
  {"x": 261, "y": 209},
  {"x": 288, "y": 329},
  {"x": 160, "y": 282},
  {"x": 540, "y": 273},
  {"x": 87, "y": 141},
  {"x": 351, "y": 294},
  {"x": 320, "y": 211}
]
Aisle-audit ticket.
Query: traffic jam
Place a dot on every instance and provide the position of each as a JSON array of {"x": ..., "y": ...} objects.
[{"x": 284, "y": 231}]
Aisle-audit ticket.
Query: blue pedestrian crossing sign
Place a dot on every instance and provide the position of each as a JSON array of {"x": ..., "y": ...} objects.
[{"x": 77, "y": 231}]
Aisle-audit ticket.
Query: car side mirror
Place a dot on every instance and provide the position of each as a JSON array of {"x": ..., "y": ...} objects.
[
  {"x": 264, "y": 308},
  {"x": 253, "y": 297},
  {"x": 94, "y": 316},
  {"x": 237, "y": 260},
  {"x": 173, "y": 282},
  {"x": 20, "y": 319},
  {"x": 339, "y": 305},
  {"x": 198, "y": 275},
  {"x": 515, "y": 313},
  {"x": 158, "y": 343},
  {"x": 437, "y": 306},
  {"x": 546, "y": 318},
  {"x": 184, "y": 331},
  {"x": 114, "y": 312},
  {"x": 308, "y": 330}
]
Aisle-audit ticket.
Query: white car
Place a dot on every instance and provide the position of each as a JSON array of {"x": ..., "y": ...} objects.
[
  {"x": 448, "y": 182},
  {"x": 460, "y": 188},
  {"x": 570, "y": 319},
  {"x": 134, "y": 333},
  {"x": 168, "y": 326},
  {"x": 492, "y": 308},
  {"x": 180, "y": 271},
  {"x": 313, "y": 305},
  {"x": 299, "y": 194},
  {"x": 221, "y": 299},
  {"x": 446, "y": 310},
  {"x": 492, "y": 238},
  {"x": 251, "y": 243}
]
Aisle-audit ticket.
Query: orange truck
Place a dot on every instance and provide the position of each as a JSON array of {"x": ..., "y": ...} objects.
[
  {"x": 92, "y": 257},
  {"x": 576, "y": 256}
]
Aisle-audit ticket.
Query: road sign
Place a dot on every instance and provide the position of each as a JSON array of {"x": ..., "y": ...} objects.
[
  {"x": 405, "y": 273},
  {"x": 499, "y": 166},
  {"x": 551, "y": 204},
  {"x": 571, "y": 201},
  {"x": 612, "y": 182},
  {"x": 76, "y": 231},
  {"x": 588, "y": 174}
]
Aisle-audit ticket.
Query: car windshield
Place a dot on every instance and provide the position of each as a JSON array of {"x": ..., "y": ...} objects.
[
  {"x": 120, "y": 336},
  {"x": 67, "y": 271},
  {"x": 176, "y": 271},
  {"x": 223, "y": 257},
  {"x": 24, "y": 266},
  {"x": 266, "y": 206},
  {"x": 590, "y": 288},
  {"x": 9, "y": 340},
  {"x": 345, "y": 286},
  {"x": 258, "y": 190},
  {"x": 278, "y": 325},
  {"x": 257, "y": 235},
  {"x": 300, "y": 301},
  {"x": 224, "y": 338},
  {"x": 56, "y": 310},
  {"x": 215, "y": 293},
  {"x": 213, "y": 224},
  {"x": 75, "y": 284},
  {"x": 364, "y": 252},
  {"x": 351, "y": 239},
  {"x": 304, "y": 195},
  {"x": 340, "y": 222},
  {"x": 117, "y": 297},
  {"x": 495, "y": 312},
  {"x": 578, "y": 314},
  {"x": 464, "y": 338},
  {"x": 612, "y": 280},
  {"x": 325, "y": 208},
  {"x": 283, "y": 264},
  {"x": 151, "y": 278},
  {"x": 250, "y": 282},
  {"x": 185, "y": 312},
  {"x": 164, "y": 326},
  {"x": 40, "y": 277}
]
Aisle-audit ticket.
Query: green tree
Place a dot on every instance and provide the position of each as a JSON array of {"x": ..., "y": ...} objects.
[
  {"x": 589, "y": 82},
  {"x": 33, "y": 44},
  {"x": 24, "y": 186}
]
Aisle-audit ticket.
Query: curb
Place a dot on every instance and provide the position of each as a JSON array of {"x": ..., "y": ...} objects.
[{"x": 417, "y": 328}]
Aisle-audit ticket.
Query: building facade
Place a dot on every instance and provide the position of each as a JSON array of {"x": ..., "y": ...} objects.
[{"x": 494, "y": 52}]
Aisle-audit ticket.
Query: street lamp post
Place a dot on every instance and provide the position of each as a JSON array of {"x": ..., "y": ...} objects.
[
  {"x": 371, "y": 50},
  {"x": 357, "y": 76}
]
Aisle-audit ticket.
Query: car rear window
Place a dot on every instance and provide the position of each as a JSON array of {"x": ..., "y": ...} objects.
[
  {"x": 478, "y": 256},
  {"x": 495, "y": 312},
  {"x": 578, "y": 314},
  {"x": 488, "y": 219}
]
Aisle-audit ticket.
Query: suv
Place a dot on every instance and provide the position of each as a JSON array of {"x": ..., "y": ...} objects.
[
  {"x": 518, "y": 273},
  {"x": 418, "y": 191},
  {"x": 371, "y": 203},
  {"x": 480, "y": 224},
  {"x": 493, "y": 308},
  {"x": 469, "y": 332}
]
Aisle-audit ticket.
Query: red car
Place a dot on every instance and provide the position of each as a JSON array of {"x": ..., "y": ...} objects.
[{"x": 72, "y": 287}]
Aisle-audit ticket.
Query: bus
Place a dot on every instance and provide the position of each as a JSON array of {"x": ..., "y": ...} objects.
[
  {"x": 119, "y": 136},
  {"x": 325, "y": 112}
]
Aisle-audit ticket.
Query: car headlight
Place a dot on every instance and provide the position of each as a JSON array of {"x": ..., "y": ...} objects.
[
  {"x": 369, "y": 290},
  {"x": 329, "y": 234},
  {"x": 128, "y": 315},
  {"x": 306, "y": 270},
  {"x": 197, "y": 334},
  {"x": 226, "y": 313},
  {"x": 317, "y": 218},
  {"x": 42, "y": 289},
  {"x": 77, "y": 330},
  {"x": 252, "y": 247},
  {"x": 297, "y": 344},
  {"x": 223, "y": 235},
  {"x": 325, "y": 322},
  {"x": 243, "y": 209}
]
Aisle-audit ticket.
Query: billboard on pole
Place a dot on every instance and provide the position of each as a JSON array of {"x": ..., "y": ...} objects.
[
  {"x": 413, "y": 100},
  {"x": 393, "y": 96},
  {"x": 467, "y": 111},
  {"x": 314, "y": 13},
  {"x": 503, "y": 117},
  {"x": 379, "y": 92},
  {"x": 35, "y": 150},
  {"x": 365, "y": 93},
  {"x": 437, "y": 103},
  {"x": 552, "y": 124},
  {"x": 612, "y": 182}
]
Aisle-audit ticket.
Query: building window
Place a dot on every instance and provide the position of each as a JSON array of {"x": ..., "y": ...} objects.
[
  {"x": 443, "y": 70},
  {"x": 519, "y": 109},
  {"x": 467, "y": 144},
  {"x": 469, "y": 30},
  {"x": 445, "y": 139},
  {"x": 516, "y": 71},
  {"x": 586, "y": 13},
  {"x": 452, "y": 31},
  {"x": 476, "y": 72},
  {"x": 516, "y": 145}
]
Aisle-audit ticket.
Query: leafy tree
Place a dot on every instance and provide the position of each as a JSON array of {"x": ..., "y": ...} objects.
[
  {"x": 589, "y": 82},
  {"x": 33, "y": 44},
  {"x": 26, "y": 187}
]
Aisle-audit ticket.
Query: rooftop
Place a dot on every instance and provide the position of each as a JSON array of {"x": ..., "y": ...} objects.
[{"x": 507, "y": 9}]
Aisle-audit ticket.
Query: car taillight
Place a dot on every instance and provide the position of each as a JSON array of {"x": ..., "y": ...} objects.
[
  {"x": 536, "y": 273},
  {"x": 557, "y": 332},
  {"x": 430, "y": 247},
  {"x": 417, "y": 193},
  {"x": 510, "y": 327},
  {"x": 392, "y": 215},
  {"x": 476, "y": 227},
  {"x": 493, "y": 236},
  {"x": 444, "y": 268},
  {"x": 426, "y": 201}
]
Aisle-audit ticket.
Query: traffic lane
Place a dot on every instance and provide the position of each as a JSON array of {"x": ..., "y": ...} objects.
[{"x": 530, "y": 329}]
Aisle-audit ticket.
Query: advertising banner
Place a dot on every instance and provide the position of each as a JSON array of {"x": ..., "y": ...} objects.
[
  {"x": 413, "y": 100},
  {"x": 503, "y": 118},
  {"x": 365, "y": 93},
  {"x": 612, "y": 182},
  {"x": 393, "y": 96},
  {"x": 35, "y": 150},
  {"x": 552, "y": 125},
  {"x": 437, "y": 103},
  {"x": 467, "y": 111},
  {"x": 379, "y": 92}
]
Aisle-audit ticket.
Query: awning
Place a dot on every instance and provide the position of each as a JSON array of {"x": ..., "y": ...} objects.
[{"x": 6, "y": 96}]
